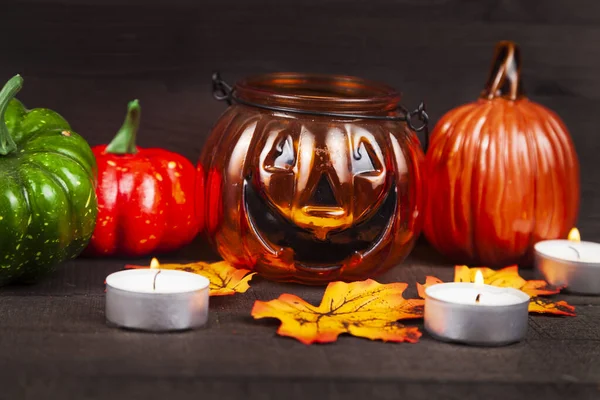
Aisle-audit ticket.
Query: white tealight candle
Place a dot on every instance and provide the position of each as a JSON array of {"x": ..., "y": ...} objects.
[
  {"x": 483, "y": 296},
  {"x": 157, "y": 300},
  {"x": 477, "y": 314},
  {"x": 570, "y": 263}
]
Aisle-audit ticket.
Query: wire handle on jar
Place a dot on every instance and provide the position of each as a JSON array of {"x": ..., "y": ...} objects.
[{"x": 222, "y": 91}]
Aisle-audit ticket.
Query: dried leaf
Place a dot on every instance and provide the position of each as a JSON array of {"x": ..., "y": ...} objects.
[
  {"x": 366, "y": 309},
  {"x": 429, "y": 281},
  {"x": 542, "y": 305},
  {"x": 505, "y": 277},
  {"x": 224, "y": 279},
  {"x": 509, "y": 277}
]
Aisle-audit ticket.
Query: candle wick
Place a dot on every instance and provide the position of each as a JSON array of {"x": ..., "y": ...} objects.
[
  {"x": 576, "y": 252},
  {"x": 477, "y": 298},
  {"x": 154, "y": 281}
]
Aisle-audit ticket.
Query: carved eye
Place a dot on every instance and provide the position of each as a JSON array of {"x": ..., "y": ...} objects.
[
  {"x": 364, "y": 161},
  {"x": 284, "y": 156}
]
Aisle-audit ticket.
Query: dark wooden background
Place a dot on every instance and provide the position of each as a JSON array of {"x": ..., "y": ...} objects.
[{"x": 86, "y": 59}]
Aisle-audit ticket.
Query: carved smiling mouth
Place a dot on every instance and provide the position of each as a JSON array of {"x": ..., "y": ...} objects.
[{"x": 277, "y": 233}]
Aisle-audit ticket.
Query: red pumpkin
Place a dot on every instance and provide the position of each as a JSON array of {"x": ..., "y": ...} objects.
[
  {"x": 145, "y": 197},
  {"x": 502, "y": 173}
]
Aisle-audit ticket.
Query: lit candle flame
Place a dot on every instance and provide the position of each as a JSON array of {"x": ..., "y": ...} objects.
[
  {"x": 154, "y": 264},
  {"x": 478, "y": 278},
  {"x": 574, "y": 235}
]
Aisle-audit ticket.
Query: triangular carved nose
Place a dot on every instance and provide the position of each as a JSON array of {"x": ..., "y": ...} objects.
[{"x": 323, "y": 194}]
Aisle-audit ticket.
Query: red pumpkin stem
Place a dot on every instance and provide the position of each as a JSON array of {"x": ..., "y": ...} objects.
[
  {"x": 505, "y": 74},
  {"x": 124, "y": 140}
]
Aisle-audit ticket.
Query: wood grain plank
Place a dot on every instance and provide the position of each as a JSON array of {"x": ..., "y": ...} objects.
[
  {"x": 256, "y": 352},
  {"x": 151, "y": 41},
  {"x": 539, "y": 11},
  {"x": 84, "y": 313},
  {"x": 262, "y": 388},
  {"x": 178, "y": 116}
]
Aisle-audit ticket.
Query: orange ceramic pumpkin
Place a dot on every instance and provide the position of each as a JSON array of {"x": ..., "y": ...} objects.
[{"x": 502, "y": 173}]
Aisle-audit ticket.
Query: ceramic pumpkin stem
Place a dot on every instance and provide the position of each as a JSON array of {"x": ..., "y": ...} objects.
[
  {"x": 12, "y": 87},
  {"x": 505, "y": 74},
  {"x": 124, "y": 140}
]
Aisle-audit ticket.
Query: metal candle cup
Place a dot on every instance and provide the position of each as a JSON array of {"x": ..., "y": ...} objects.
[
  {"x": 570, "y": 263},
  {"x": 157, "y": 300},
  {"x": 476, "y": 314}
]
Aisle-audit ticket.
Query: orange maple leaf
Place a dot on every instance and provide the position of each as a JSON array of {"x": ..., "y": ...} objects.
[
  {"x": 224, "y": 279},
  {"x": 366, "y": 309},
  {"x": 542, "y": 305},
  {"x": 429, "y": 281},
  {"x": 509, "y": 277}
]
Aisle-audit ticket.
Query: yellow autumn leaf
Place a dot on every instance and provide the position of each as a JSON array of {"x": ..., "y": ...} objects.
[
  {"x": 224, "y": 279},
  {"x": 505, "y": 277},
  {"x": 366, "y": 309}
]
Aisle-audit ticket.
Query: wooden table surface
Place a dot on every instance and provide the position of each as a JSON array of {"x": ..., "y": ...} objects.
[
  {"x": 88, "y": 58},
  {"x": 55, "y": 343}
]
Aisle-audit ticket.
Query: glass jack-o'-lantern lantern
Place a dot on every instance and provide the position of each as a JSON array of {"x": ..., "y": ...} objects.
[{"x": 312, "y": 178}]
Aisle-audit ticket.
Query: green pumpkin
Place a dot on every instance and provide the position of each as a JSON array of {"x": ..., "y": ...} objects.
[{"x": 47, "y": 189}]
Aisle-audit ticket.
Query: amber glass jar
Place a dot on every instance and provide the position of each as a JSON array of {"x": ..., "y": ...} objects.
[{"x": 311, "y": 178}]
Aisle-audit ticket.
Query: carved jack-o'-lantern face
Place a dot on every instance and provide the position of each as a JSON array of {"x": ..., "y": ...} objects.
[
  {"x": 322, "y": 183},
  {"x": 326, "y": 195},
  {"x": 306, "y": 198}
]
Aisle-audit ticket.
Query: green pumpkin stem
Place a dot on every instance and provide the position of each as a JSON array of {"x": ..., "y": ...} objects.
[
  {"x": 12, "y": 87},
  {"x": 124, "y": 140}
]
